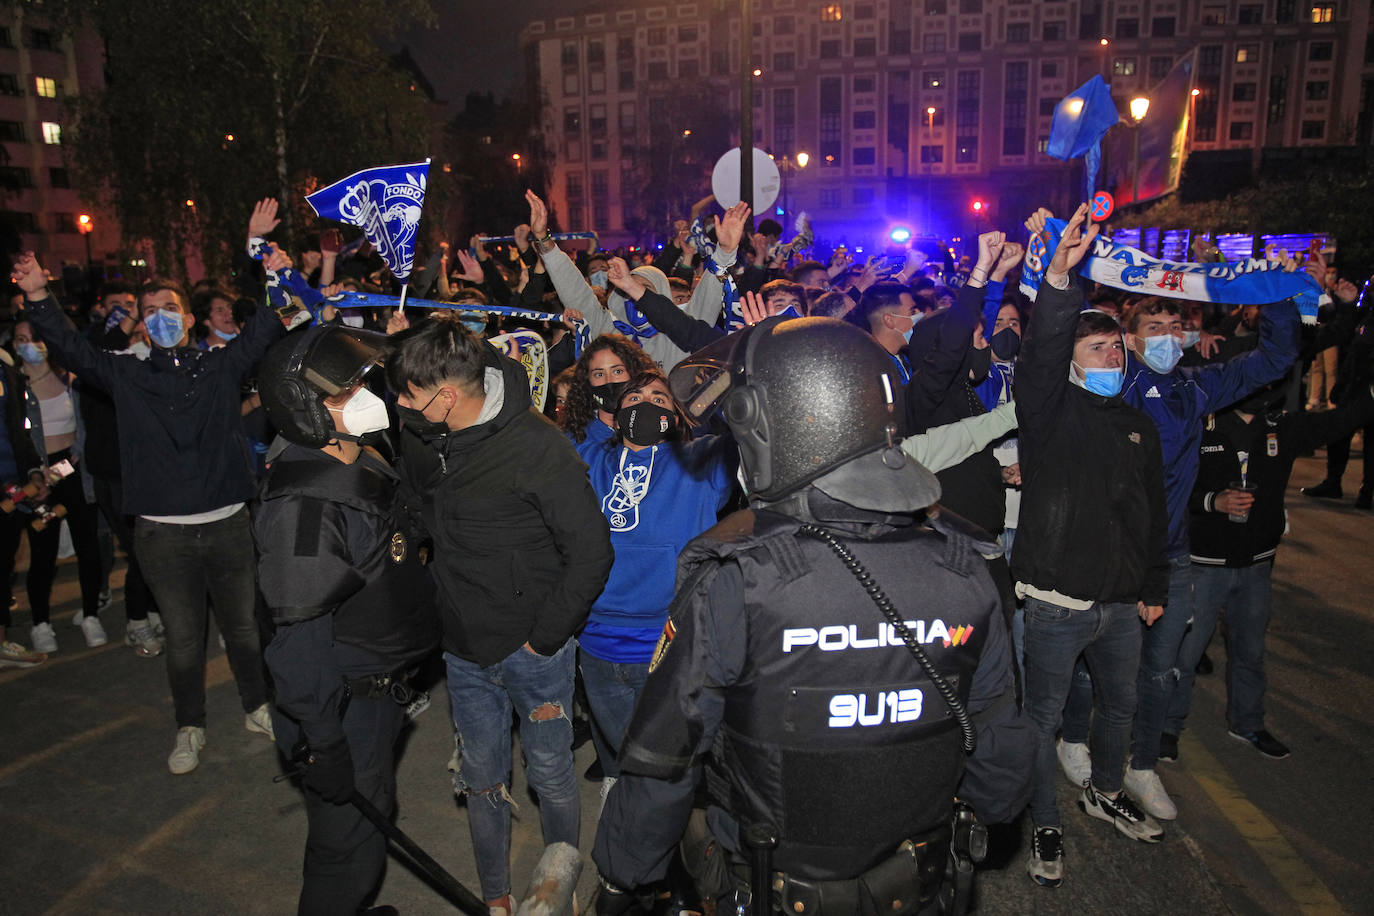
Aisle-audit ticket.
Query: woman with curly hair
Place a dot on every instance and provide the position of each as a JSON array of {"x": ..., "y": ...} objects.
[
  {"x": 599, "y": 378},
  {"x": 659, "y": 488}
]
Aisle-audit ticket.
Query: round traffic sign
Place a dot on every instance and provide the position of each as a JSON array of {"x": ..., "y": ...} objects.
[{"x": 1102, "y": 206}]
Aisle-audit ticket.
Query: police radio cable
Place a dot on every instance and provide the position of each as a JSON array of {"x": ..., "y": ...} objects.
[{"x": 875, "y": 591}]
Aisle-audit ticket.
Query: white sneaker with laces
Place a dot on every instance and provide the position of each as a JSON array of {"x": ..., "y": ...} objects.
[
  {"x": 185, "y": 756},
  {"x": 1121, "y": 812},
  {"x": 94, "y": 632},
  {"x": 259, "y": 721},
  {"x": 1075, "y": 761},
  {"x": 141, "y": 638},
  {"x": 1144, "y": 786},
  {"x": 14, "y": 655},
  {"x": 43, "y": 638}
]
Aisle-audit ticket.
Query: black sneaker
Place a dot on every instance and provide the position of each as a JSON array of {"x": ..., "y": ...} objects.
[
  {"x": 1263, "y": 742},
  {"x": 1046, "y": 863},
  {"x": 1168, "y": 746},
  {"x": 1365, "y": 499},
  {"x": 1327, "y": 489},
  {"x": 1122, "y": 813}
]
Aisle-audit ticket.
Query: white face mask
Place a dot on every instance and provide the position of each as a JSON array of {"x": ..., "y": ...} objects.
[
  {"x": 364, "y": 413},
  {"x": 353, "y": 321}
]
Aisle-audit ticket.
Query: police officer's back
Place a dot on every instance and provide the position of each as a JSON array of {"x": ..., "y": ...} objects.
[{"x": 822, "y": 731}]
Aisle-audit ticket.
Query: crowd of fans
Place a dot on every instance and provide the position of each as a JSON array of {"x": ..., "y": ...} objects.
[{"x": 1119, "y": 552}]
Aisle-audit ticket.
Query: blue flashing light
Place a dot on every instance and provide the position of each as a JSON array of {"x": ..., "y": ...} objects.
[
  {"x": 658, "y": 247},
  {"x": 900, "y": 234},
  {"x": 778, "y": 211}
]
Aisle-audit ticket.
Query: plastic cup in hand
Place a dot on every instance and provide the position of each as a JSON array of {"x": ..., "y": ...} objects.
[{"x": 1243, "y": 488}]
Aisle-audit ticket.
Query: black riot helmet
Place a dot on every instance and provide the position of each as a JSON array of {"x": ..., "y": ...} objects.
[
  {"x": 809, "y": 401},
  {"x": 300, "y": 371}
]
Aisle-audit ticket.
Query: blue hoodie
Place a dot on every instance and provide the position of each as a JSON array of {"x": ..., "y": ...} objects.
[
  {"x": 1179, "y": 401},
  {"x": 687, "y": 484}
]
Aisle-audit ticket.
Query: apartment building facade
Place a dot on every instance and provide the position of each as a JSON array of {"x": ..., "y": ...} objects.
[{"x": 909, "y": 111}]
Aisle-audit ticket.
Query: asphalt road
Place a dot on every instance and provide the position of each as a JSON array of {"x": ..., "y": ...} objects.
[{"x": 93, "y": 823}]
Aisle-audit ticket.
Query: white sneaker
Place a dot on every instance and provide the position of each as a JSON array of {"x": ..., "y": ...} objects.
[
  {"x": 259, "y": 721},
  {"x": 186, "y": 755},
  {"x": 155, "y": 621},
  {"x": 1144, "y": 786},
  {"x": 14, "y": 655},
  {"x": 1075, "y": 761},
  {"x": 94, "y": 632},
  {"x": 143, "y": 640},
  {"x": 43, "y": 638},
  {"x": 78, "y": 617}
]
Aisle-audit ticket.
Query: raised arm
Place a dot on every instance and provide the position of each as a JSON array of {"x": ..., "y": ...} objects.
[
  {"x": 1042, "y": 371},
  {"x": 71, "y": 348}
]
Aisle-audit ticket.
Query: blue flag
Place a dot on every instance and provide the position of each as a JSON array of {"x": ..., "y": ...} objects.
[
  {"x": 385, "y": 203},
  {"x": 1253, "y": 281},
  {"x": 1081, "y": 119}
]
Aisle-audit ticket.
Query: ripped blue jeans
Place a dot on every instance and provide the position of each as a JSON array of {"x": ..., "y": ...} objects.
[{"x": 540, "y": 689}]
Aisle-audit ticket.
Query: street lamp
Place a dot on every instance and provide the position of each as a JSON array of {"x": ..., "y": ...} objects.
[
  {"x": 85, "y": 226},
  {"x": 1140, "y": 106},
  {"x": 519, "y": 163},
  {"x": 929, "y": 167},
  {"x": 790, "y": 164}
]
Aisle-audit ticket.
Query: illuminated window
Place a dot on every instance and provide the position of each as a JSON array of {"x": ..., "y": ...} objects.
[
  {"x": 52, "y": 133},
  {"x": 1323, "y": 12},
  {"x": 831, "y": 12},
  {"x": 1123, "y": 66},
  {"x": 46, "y": 86},
  {"x": 1247, "y": 54}
]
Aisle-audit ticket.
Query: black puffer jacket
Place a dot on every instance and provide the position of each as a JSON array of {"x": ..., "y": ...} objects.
[
  {"x": 1093, "y": 524},
  {"x": 521, "y": 546}
]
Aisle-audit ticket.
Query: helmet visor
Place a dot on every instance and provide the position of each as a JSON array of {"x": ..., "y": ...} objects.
[
  {"x": 339, "y": 358},
  {"x": 702, "y": 380}
]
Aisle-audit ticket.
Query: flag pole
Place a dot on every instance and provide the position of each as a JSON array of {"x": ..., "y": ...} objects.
[{"x": 402, "y": 306}]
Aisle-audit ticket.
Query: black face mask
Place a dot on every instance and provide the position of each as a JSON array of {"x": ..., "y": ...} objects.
[
  {"x": 421, "y": 425},
  {"x": 607, "y": 396},
  {"x": 645, "y": 423},
  {"x": 1005, "y": 344},
  {"x": 978, "y": 363}
]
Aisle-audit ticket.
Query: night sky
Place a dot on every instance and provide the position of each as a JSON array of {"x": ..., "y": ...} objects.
[{"x": 475, "y": 45}]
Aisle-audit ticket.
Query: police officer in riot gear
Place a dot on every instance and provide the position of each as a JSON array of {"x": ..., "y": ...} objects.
[
  {"x": 353, "y": 606},
  {"x": 831, "y": 756}
]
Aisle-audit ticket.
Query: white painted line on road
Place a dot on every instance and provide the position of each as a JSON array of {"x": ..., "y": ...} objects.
[
  {"x": 81, "y": 899},
  {"x": 61, "y": 747},
  {"x": 1295, "y": 876}
]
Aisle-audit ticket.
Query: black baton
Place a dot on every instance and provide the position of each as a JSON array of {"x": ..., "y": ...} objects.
[{"x": 452, "y": 887}]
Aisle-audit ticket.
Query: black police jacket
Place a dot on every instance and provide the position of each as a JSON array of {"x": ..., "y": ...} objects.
[
  {"x": 339, "y": 569},
  {"x": 818, "y": 721}
]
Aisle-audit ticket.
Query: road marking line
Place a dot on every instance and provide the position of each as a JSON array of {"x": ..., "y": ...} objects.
[
  {"x": 61, "y": 747},
  {"x": 79, "y": 898},
  {"x": 10, "y": 674},
  {"x": 1298, "y": 880}
]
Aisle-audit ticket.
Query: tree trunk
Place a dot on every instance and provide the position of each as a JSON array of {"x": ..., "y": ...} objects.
[{"x": 283, "y": 179}]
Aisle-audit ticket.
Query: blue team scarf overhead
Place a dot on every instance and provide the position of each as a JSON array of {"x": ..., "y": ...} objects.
[
  {"x": 1254, "y": 281},
  {"x": 385, "y": 203},
  {"x": 1081, "y": 119}
]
